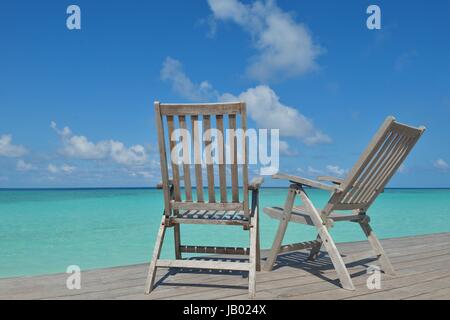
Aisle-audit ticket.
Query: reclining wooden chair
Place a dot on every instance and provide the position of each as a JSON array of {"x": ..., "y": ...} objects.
[
  {"x": 193, "y": 208},
  {"x": 367, "y": 179}
]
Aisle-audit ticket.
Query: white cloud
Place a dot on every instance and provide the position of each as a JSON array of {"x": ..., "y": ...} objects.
[
  {"x": 52, "y": 168},
  {"x": 442, "y": 165},
  {"x": 405, "y": 60},
  {"x": 285, "y": 47},
  {"x": 172, "y": 71},
  {"x": 133, "y": 155},
  {"x": 144, "y": 174},
  {"x": 330, "y": 169},
  {"x": 65, "y": 168},
  {"x": 68, "y": 169},
  {"x": 314, "y": 172},
  {"x": 8, "y": 149},
  {"x": 79, "y": 147},
  {"x": 261, "y": 101},
  {"x": 265, "y": 108},
  {"x": 24, "y": 166},
  {"x": 336, "y": 170},
  {"x": 286, "y": 149}
]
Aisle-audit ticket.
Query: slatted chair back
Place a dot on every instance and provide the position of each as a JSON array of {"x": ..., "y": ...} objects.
[
  {"x": 379, "y": 162},
  {"x": 202, "y": 143}
]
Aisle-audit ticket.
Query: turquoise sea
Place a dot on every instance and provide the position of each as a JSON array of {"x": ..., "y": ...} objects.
[{"x": 44, "y": 231}]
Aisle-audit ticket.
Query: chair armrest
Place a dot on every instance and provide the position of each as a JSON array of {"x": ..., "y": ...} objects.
[
  {"x": 330, "y": 179},
  {"x": 306, "y": 182},
  {"x": 256, "y": 183}
]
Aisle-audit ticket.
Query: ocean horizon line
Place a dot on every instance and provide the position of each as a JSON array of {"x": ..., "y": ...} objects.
[{"x": 153, "y": 188}]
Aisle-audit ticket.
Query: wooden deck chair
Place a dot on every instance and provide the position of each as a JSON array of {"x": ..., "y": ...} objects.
[
  {"x": 367, "y": 179},
  {"x": 199, "y": 205}
]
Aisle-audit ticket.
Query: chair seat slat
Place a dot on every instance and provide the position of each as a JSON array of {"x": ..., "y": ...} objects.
[
  {"x": 180, "y": 205},
  {"x": 386, "y": 153},
  {"x": 232, "y": 140},
  {"x": 221, "y": 158},
  {"x": 245, "y": 155},
  {"x": 196, "y": 136},
  {"x": 392, "y": 167},
  {"x": 209, "y": 160},
  {"x": 186, "y": 160},
  {"x": 371, "y": 168},
  {"x": 387, "y": 167},
  {"x": 174, "y": 158}
]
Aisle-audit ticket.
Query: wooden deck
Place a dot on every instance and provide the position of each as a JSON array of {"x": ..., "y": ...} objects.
[{"x": 422, "y": 264}]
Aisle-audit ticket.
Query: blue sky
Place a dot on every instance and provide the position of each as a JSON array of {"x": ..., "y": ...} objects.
[{"x": 76, "y": 105}]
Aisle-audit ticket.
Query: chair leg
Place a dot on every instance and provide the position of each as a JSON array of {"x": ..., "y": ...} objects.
[
  {"x": 378, "y": 249},
  {"x": 258, "y": 249},
  {"x": 289, "y": 204},
  {"x": 177, "y": 241},
  {"x": 253, "y": 256},
  {"x": 156, "y": 253},
  {"x": 328, "y": 243},
  {"x": 315, "y": 249},
  {"x": 336, "y": 259}
]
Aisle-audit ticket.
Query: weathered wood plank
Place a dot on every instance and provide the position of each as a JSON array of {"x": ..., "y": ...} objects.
[
  {"x": 233, "y": 157},
  {"x": 198, "y": 109},
  {"x": 422, "y": 264},
  {"x": 174, "y": 158},
  {"x": 207, "y": 206},
  {"x": 196, "y": 137},
  {"x": 209, "y": 159},
  {"x": 163, "y": 158},
  {"x": 186, "y": 161}
]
